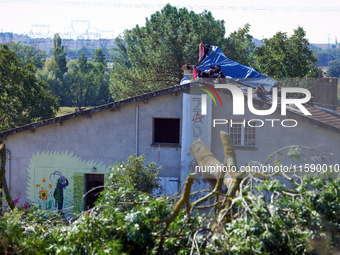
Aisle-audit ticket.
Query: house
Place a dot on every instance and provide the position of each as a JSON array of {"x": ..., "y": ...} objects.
[{"x": 73, "y": 153}]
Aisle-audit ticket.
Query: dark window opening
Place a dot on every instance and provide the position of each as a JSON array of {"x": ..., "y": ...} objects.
[
  {"x": 96, "y": 182},
  {"x": 166, "y": 130}
]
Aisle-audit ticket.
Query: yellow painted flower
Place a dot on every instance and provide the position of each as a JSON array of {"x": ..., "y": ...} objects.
[
  {"x": 38, "y": 185},
  {"x": 44, "y": 179},
  {"x": 43, "y": 194},
  {"x": 50, "y": 186}
]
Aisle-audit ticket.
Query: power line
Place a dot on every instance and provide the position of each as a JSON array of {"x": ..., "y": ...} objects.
[{"x": 191, "y": 7}]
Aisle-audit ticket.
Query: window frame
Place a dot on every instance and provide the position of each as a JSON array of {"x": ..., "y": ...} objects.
[
  {"x": 247, "y": 139},
  {"x": 165, "y": 143}
]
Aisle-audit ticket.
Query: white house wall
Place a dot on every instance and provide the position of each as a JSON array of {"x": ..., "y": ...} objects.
[
  {"x": 269, "y": 139},
  {"x": 99, "y": 141},
  {"x": 80, "y": 145}
]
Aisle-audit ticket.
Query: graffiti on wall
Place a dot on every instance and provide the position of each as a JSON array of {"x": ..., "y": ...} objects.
[
  {"x": 51, "y": 180},
  {"x": 58, "y": 193}
]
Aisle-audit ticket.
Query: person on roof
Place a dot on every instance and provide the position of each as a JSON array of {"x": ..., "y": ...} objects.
[
  {"x": 217, "y": 69},
  {"x": 211, "y": 71},
  {"x": 260, "y": 92}
]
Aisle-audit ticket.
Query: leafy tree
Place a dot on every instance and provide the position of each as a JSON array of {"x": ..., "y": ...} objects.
[
  {"x": 151, "y": 57},
  {"x": 58, "y": 85},
  {"x": 99, "y": 56},
  {"x": 54, "y": 73},
  {"x": 23, "y": 98},
  {"x": 101, "y": 78},
  {"x": 59, "y": 54},
  {"x": 324, "y": 57},
  {"x": 283, "y": 57},
  {"x": 334, "y": 68},
  {"x": 89, "y": 81},
  {"x": 133, "y": 173},
  {"x": 82, "y": 86},
  {"x": 239, "y": 46},
  {"x": 28, "y": 54}
]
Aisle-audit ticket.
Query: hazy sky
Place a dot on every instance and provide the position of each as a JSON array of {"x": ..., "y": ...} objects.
[{"x": 320, "y": 19}]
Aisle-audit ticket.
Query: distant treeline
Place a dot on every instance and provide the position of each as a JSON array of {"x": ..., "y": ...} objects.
[
  {"x": 326, "y": 54},
  {"x": 72, "y": 46}
]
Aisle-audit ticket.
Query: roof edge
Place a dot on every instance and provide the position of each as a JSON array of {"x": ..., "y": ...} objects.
[{"x": 96, "y": 109}]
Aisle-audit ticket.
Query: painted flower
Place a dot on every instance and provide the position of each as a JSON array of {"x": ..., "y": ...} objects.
[
  {"x": 44, "y": 179},
  {"x": 50, "y": 186},
  {"x": 38, "y": 185},
  {"x": 43, "y": 194}
]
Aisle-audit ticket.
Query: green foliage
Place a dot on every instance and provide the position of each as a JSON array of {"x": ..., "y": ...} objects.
[
  {"x": 89, "y": 81},
  {"x": 326, "y": 55},
  {"x": 283, "y": 57},
  {"x": 54, "y": 70},
  {"x": 239, "y": 46},
  {"x": 79, "y": 83},
  {"x": 152, "y": 57},
  {"x": 135, "y": 174},
  {"x": 23, "y": 99},
  {"x": 28, "y": 54},
  {"x": 59, "y": 54},
  {"x": 266, "y": 220},
  {"x": 99, "y": 56},
  {"x": 334, "y": 69}
]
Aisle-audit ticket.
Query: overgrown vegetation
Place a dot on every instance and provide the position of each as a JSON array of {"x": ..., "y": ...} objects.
[
  {"x": 128, "y": 222},
  {"x": 259, "y": 216},
  {"x": 136, "y": 175},
  {"x": 23, "y": 98}
]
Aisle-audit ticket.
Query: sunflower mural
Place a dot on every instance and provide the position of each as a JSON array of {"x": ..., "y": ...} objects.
[
  {"x": 44, "y": 198},
  {"x": 51, "y": 179},
  {"x": 43, "y": 194}
]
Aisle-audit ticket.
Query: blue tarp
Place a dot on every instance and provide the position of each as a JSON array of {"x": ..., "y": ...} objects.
[{"x": 243, "y": 74}]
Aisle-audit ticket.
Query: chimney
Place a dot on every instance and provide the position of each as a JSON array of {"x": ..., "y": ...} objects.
[
  {"x": 326, "y": 94},
  {"x": 188, "y": 71}
]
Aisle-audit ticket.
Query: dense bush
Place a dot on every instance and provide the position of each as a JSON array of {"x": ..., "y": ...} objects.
[{"x": 135, "y": 174}]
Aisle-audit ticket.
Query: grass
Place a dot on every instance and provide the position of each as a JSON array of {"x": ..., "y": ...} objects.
[{"x": 65, "y": 110}]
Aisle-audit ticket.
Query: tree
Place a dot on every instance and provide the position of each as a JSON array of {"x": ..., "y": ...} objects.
[
  {"x": 28, "y": 54},
  {"x": 54, "y": 73},
  {"x": 239, "y": 46},
  {"x": 23, "y": 98},
  {"x": 99, "y": 56},
  {"x": 134, "y": 174},
  {"x": 89, "y": 81},
  {"x": 101, "y": 78},
  {"x": 59, "y": 86},
  {"x": 59, "y": 54},
  {"x": 82, "y": 87},
  {"x": 334, "y": 68},
  {"x": 285, "y": 57},
  {"x": 151, "y": 57},
  {"x": 3, "y": 182}
]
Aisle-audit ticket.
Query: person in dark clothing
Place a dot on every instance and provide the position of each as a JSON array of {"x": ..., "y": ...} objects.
[
  {"x": 217, "y": 69},
  {"x": 211, "y": 72},
  {"x": 260, "y": 92},
  {"x": 221, "y": 75}
]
